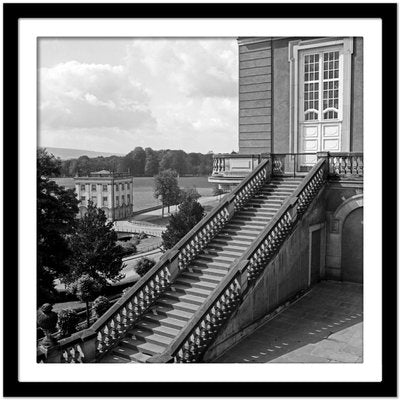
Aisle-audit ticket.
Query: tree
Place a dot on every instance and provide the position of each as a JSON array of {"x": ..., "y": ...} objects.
[
  {"x": 152, "y": 163},
  {"x": 95, "y": 251},
  {"x": 56, "y": 219},
  {"x": 174, "y": 159},
  {"x": 166, "y": 188},
  {"x": 135, "y": 161},
  {"x": 190, "y": 193},
  {"x": 67, "y": 321},
  {"x": 86, "y": 288},
  {"x": 144, "y": 265},
  {"x": 189, "y": 214},
  {"x": 100, "y": 306}
]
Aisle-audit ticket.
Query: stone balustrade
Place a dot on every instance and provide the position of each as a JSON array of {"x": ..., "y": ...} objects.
[
  {"x": 230, "y": 169},
  {"x": 346, "y": 165},
  {"x": 193, "y": 341},
  {"x": 90, "y": 344}
]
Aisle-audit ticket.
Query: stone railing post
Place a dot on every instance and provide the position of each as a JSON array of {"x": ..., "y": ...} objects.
[
  {"x": 88, "y": 345},
  {"x": 267, "y": 156},
  {"x": 325, "y": 155},
  {"x": 244, "y": 275},
  {"x": 51, "y": 354},
  {"x": 293, "y": 209},
  {"x": 173, "y": 265}
]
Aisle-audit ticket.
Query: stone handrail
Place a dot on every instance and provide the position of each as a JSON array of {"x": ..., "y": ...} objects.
[
  {"x": 193, "y": 341},
  {"x": 194, "y": 241},
  {"x": 219, "y": 161},
  {"x": 90, "y": 344},
  {"x": 346, "y": 165}
]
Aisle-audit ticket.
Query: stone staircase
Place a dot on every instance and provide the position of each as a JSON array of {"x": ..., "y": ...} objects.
[{"x": 175, "y": 308}]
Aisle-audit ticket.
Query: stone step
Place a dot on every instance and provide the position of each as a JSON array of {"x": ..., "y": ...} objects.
[
  {"x": 147, "y": 336},
  {"x": 290, "y": 186},
  {"x": 204, "y": 276},
  {"x": 266, "y": 206},
  {"x": 214, "y": 249},
  {"x": 204, "y": 270},
  {"x": 287, "y": 178},
  {"x": 129, "y": 348},
  {"x": 223, "y": 259},
  {"x": 276, "y": 196},
  {"x": 155, "y": 327},
  {"x": 151, "y": 348},
  {"x": 114, "y": 359},
  {"x": 267, "y": 202},
  {"x": 266, "y": 194},
  {"x": 257, "y": 214},
  {"x": 255, "y": 221},
  {"x": 252, "y": 216},
  {"x": 276, "y": 192},
  {"x": 165, "y": 321},
  {"x": 214, "y": 265},
  {"x": 213, "y": 269},
  {"x": 140, "y": 357},
  {"x": 195, "y": 291},
  {"x": 129, "y": 353},
  {"x": 230, "y": 241},
  {"x": 183, "y": 297},
  {"x": 166, "y": 310},
  {"x": 196, "y": 282},
  {"x": 238, "y": 225},
  {"x": 243, "y": 234},
  {"x": 177, "y": 305}
]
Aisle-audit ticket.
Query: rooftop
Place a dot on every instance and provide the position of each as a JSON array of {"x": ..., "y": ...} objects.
[{"x": 104, "y": 174}]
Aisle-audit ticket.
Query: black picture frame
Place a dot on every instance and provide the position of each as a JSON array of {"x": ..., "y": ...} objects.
[{"x": 12, "y": 12}]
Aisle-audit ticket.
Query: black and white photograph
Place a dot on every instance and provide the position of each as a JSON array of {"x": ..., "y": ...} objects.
[{"x": 199, "y": 199}]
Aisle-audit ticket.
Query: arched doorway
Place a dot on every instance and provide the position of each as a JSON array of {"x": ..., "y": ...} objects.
[{"x": 352, "y": 247}]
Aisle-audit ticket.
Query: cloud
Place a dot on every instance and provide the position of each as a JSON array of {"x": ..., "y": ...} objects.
[
  {"x": 194, "y": 67},
  {"x": 77, "y": 95},
  {"x": 167, "y": 93}
]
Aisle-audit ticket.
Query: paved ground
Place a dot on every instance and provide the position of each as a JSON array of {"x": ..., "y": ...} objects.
[{"x": 324, "y": 326}]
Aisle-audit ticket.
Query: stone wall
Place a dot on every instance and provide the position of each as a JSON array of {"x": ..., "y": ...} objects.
[
  {"x": 255, "y": 98},
  {"x": 284, "y": 277}
]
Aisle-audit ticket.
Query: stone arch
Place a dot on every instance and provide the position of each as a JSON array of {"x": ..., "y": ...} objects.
[
  {"x": 335, "y": 239},
  {"x": 348, "y": 206}
]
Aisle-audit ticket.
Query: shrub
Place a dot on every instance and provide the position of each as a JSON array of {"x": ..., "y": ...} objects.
[
  {"x": 144, "y": 265},
  {"x": 86, "y": 288},
  {"x": 100, "y": 306},
  {"x": 128, "y": 248},
  {"x": 142, "y": 235},
  {"x": 67, "y": 321},
  {"x": 217, "y": 191}
]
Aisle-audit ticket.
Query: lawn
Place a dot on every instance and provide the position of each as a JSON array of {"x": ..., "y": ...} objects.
[{"x": 143, "y": 189}]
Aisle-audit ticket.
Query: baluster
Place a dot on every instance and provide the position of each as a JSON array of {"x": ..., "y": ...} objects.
[
  {"x": 130, "y": 313},
  {"x": 114, "y": 329},
  {"x": 107, "y": 337},
  {"x": 100, "y": 347}
]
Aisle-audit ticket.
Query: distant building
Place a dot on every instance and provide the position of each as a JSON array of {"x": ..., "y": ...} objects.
[{"x": 112, "y": 192}]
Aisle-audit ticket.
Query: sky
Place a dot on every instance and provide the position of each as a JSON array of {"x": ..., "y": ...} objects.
[{"x": 115, "y": 94}]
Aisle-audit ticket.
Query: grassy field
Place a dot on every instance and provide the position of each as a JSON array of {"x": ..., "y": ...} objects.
[{"x": 143, "y": 189}]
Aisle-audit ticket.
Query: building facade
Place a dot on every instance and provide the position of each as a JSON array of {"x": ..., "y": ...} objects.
[
  {"x": 112, "y": 192},
  {"x": 299, "y": 96},
  {"x": 296, "y": 96}
]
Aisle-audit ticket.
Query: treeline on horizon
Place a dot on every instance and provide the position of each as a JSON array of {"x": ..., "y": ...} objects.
[{"x": 141, "y": 162}]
